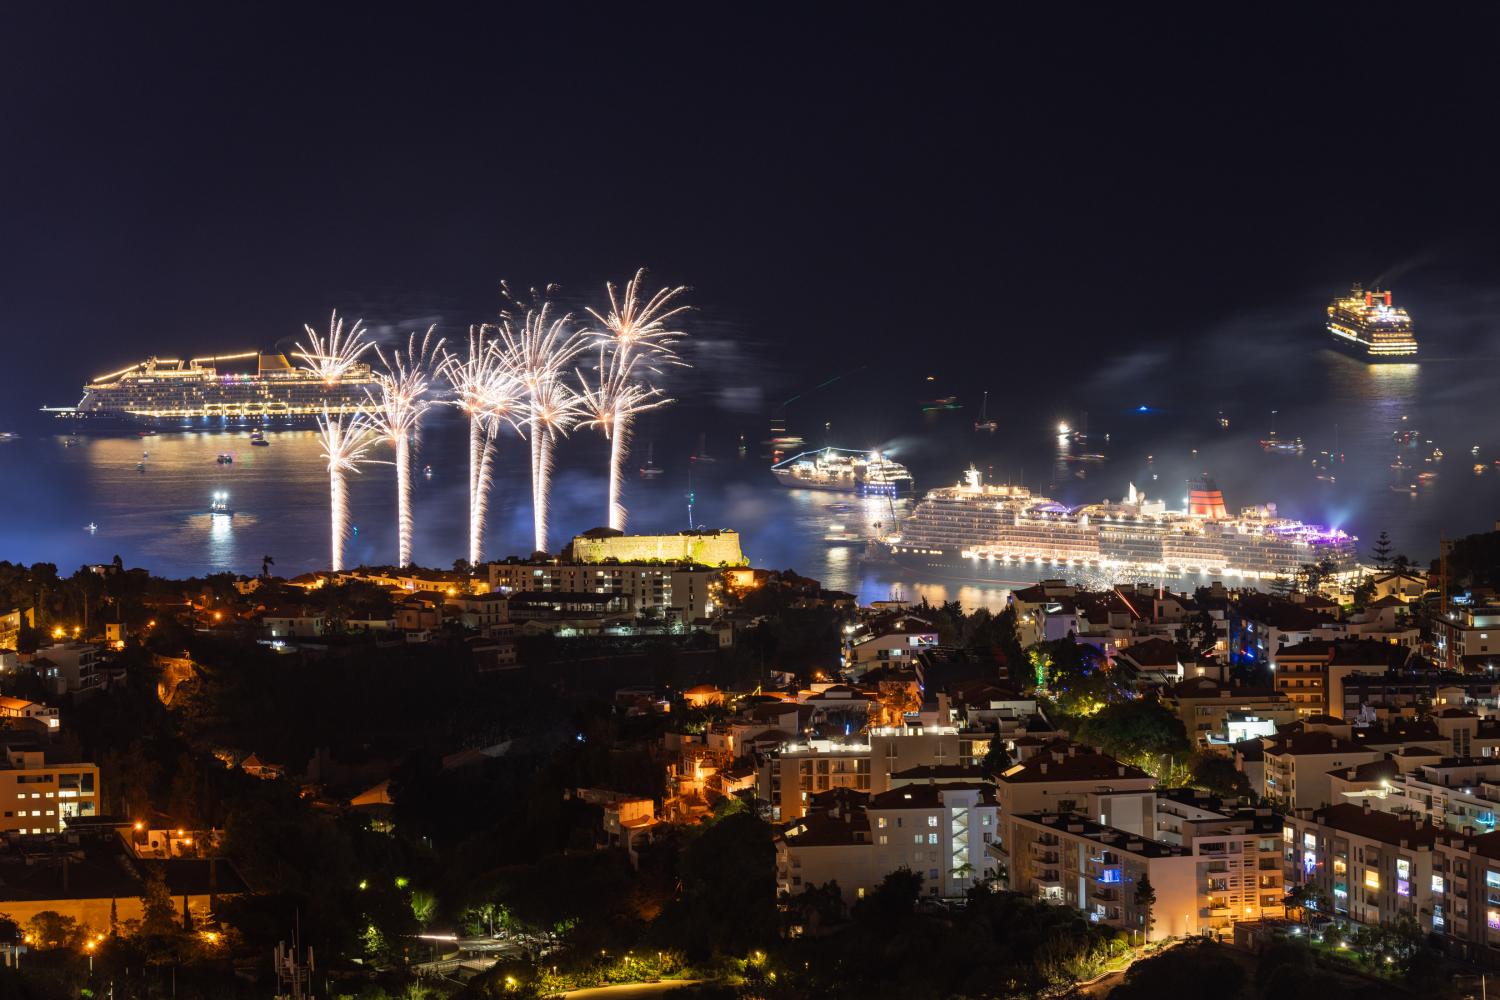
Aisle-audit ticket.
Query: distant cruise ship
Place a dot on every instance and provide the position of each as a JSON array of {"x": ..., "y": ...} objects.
[
  {"x": 1369, "y": 325},
  {"x": 228, "y": 390},
  {"x": 978, "y": 531},
  {"x": 844, "y": 471}
]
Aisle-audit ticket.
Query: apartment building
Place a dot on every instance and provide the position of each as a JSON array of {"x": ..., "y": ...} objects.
[
  {"x": 1297, "y": 765},
  {"x": 684, "y": 592},
  {"x": 1468, "y": 638},
  {"x": 939, "y": 831},
  {"x": 1239, "y": 852},
  {"x": 37, "y": 797},
  {"x": 801, "y": 767},
  {"x": 1067, "y": 860},
  {"x": 1374, "y": 867},
  {"x": 1205, "y": 705}
]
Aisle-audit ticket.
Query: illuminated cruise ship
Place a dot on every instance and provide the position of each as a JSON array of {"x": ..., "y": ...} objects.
[
  {"x": 236, "y": 389},
  {"x": 974, "y": 530},
  {"x": 844, "y": 471},
  {"x": 1367, "y": 323}
]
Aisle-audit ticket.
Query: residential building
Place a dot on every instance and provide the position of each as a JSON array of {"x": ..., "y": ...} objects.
[
  {"x": 45, "y": 716},
  {"x": 684, "y": 593},
  {"x": 1239, "y": 851},
  {"x": 939, "y": 831},
  {"x": 1204, "y": 705},
  {"x": 294, "y": 623},
  {"x": 10, "y": 628},
  {"x": 889, "y": 641},
  {"x": 70, "y": 668},
  {"x": 38, "y": 797},
  {"x": 1467, "y": 638},
  {"x": 1374, "y": 867},
  {"x": 1297, "y": 766},
  {"x": 1096, "y": 869},
  {"x": 1312, "y": 674},
  {"x": 1406, "y": 587}
]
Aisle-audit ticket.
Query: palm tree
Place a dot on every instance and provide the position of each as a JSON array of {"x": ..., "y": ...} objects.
[{"x": 266, "y": 562}]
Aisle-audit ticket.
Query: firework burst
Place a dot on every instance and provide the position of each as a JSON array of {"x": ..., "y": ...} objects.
[
  {"x": 538, "y": 348},
  {"x": 332, "y": 356},
  {"x": 647, "y": 328},
  {"x": 639, "y": 339},
  {"x": 488, "y": 394},
  {"x": 611, "y": 401},
  {"x": 396, "y": 412},
  {"x": 346, "y": 440}
]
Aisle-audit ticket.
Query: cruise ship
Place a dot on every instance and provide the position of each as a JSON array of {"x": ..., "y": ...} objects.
[
  {"x": 975, "y": 530},
  {"x": 1371, "y": 326},
  {"x": 844, "y": 471},
  {"x": 225, "y": 390}
]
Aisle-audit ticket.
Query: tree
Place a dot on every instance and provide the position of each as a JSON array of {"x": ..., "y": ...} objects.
[
  {"x": 1217, "y": 774},
  {"x": 997, "y": 758},
  {"x": 1135, "y": 729},
  {"x": 158, "y": 916},
  {"x": 50, "y": 929},
  {"x": 1145, "y": 900},
  {"x": 266, "y": 562},
  {"x": 1381, "y": 551}
]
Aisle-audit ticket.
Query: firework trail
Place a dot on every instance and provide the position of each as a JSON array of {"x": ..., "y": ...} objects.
[
  {"x": 640, "y": 339},
  {"x": 612, "y": 400},
  {"x": 331, "y": 357},
  {"x": 346, "y": 445},
  {"x": 396, "y": 412},
  {"x": 538, "y": 347},
  {"x": 488, "y": 394}
]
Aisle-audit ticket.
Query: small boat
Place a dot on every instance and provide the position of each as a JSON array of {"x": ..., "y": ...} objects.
[
  {"x": 140, "y": 467},
  {"x": 839, "y": 508},
  {"x": 984, "y": 423},
  {"x": 225, "y": 458},
  {"x": 1223, "y": 421},
  {"x": 1479, "y": 468},
  {"x": 702, "y": 455},
  {"x": 1282, "y": 446},
  {"x": 1474, "y": 450},
  {"x": 91, "y": 527},
  {"x": 8, "y": 436},
  {"x": 1398, "y": 464},
  {"x": 1427, "y": 476},
  {"x": 219, "y": 506},
  {"x": 650, "y": 470},
  {"x": 258, "y": 439},
  {"x": 1407, "y": 488},
  {"x": 840, "y": 535},
  {"x": 426, "y": 472},
  {"x": 941, "y": 403},
  {"x": 145, "y": 433},
  {"x": 1437, "y": 454}
]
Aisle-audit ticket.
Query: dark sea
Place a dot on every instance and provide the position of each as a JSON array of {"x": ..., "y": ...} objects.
[{"x": 1159, "y": 414}]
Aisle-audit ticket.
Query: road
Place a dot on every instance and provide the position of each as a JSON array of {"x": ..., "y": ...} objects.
[{"x": 629, "y": 991}]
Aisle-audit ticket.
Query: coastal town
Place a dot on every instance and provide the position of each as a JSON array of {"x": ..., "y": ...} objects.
[{"x": 647, "y": 760}]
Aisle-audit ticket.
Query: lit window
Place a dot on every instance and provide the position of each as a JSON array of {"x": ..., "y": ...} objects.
[
  {"x": 932, "y": 838},
  {"x": 1372, "y": 879},
  {"x": 1437, "y": 883},
  {"x": 932, "y": 821}
]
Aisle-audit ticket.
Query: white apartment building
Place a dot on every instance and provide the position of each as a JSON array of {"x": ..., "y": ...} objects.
[
  {"x": 1068, "y": 860},
  {"x": 939, "y": 831},
  {"x": 37, "y": 797}
]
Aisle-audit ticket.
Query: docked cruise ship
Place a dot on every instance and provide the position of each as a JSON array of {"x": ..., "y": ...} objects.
[
  {"x": 232, "y": 390},
  {"x": 844, "y": 471},
  {"x": 975, "y": 530},
  {"x": 1371, "y": 326}
]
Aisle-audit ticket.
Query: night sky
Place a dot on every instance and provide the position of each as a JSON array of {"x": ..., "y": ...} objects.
[{"x": 834, "y": 181}]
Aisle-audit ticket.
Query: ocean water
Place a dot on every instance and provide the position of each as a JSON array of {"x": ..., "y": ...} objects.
[{"x": 1155, "y": 415}]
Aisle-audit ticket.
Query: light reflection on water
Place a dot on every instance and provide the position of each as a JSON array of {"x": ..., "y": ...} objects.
[{"x": 158, "y": 518}]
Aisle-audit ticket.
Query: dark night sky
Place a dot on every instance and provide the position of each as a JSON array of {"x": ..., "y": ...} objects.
[{"x": 829, "y": 179}]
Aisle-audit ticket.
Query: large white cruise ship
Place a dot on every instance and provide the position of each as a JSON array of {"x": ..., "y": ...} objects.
[{"x": 975, "y": 530}]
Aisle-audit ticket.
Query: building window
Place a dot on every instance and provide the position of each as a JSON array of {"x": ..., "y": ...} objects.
[
  {"x": 932, "y": 821},
  {"x": 1372, "y": 879},
  {"x": 932, "y": 838}
]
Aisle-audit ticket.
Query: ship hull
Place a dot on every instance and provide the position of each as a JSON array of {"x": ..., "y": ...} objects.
[
  {"x": 106, "y": 422},
  {"x": 787, "y": 479},
  {"x": 1357, "y": 349},
  {"x": 1022, "y": 571}
]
